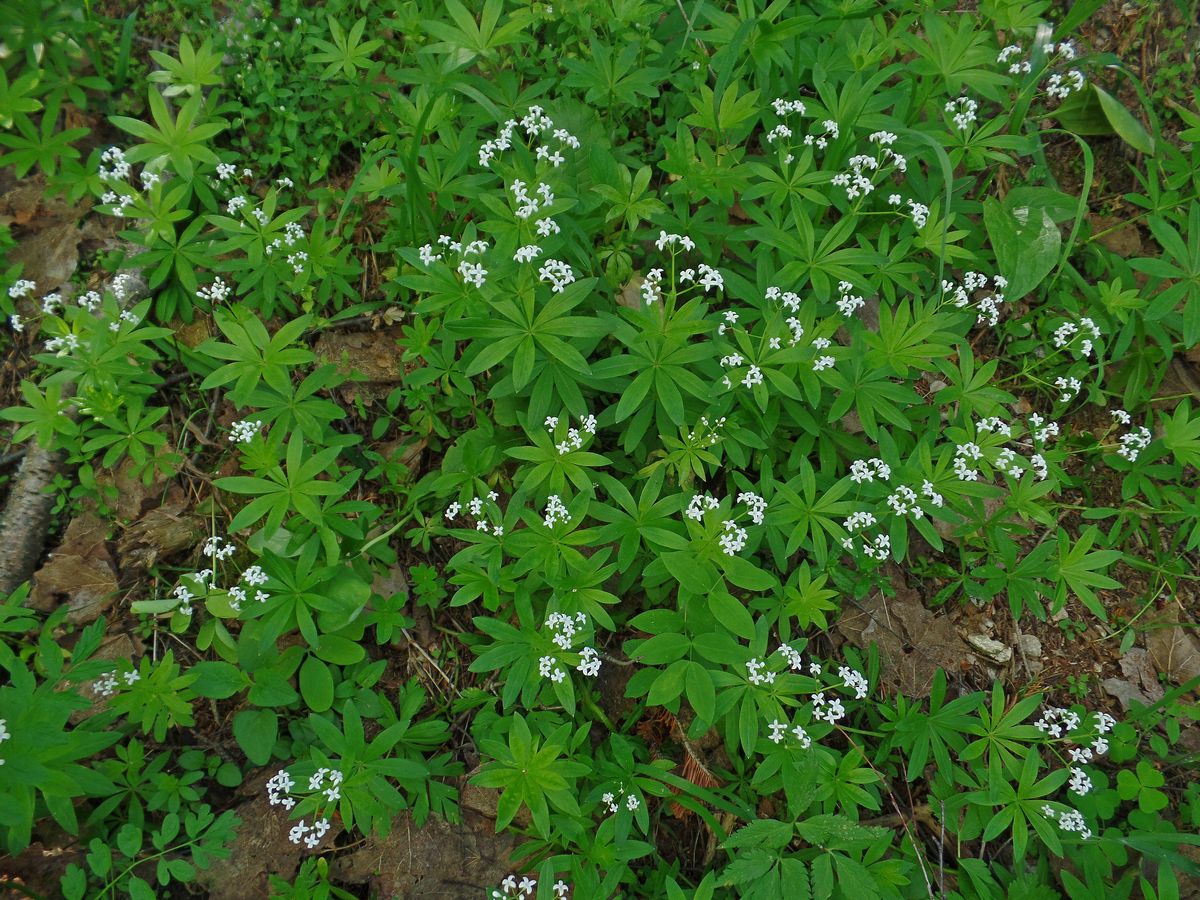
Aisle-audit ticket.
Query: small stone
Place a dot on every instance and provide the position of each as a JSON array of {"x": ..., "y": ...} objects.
[
  {"x": 1029, "y": 645},
  {"x": 990, "y": 648}
]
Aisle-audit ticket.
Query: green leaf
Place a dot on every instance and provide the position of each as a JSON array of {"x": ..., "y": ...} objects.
[
  {"x": 316, "y": 684},
  {"x": 1124, "y": 123},
  {"x": 256, "y": 731},
  {"x": 1026, "y": 241},
  {"x": 730, "y": 612},
  {"x": 217, "y": 680}
]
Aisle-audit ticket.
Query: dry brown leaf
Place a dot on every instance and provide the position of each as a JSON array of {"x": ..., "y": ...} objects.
[
  {"x": 371, "y": 353},
  {"x": 78, "y": 573},
  {"x": 913, "y": 642},
  {"x": 1174, "y": 652}
]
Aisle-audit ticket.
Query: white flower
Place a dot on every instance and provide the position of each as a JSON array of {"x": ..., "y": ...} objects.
[
  {"x": 777, "y": 731},
  {"x": 243, "y": 432},
  {"x": 558, "y": 273},
  {"x": 218, "y": 547},
  {"x": 1080, "y": 783},
  {"x": 589, "y": 662},
  {"x": 733, "y": 540},
  {"x": 556, "y": 511}
]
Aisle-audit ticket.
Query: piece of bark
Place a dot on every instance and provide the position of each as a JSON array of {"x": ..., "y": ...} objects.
[{"x": 27, "y": 517}]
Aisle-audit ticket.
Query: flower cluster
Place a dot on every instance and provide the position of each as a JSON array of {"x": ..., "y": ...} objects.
[
  {"x": 218, "y": 548},
  {"x": 1083, "y": 746},
  {"x": 1133, "y": 443},
  {"x": 255, "y": 577},
  {"x": 527, "y": 206},
  {"x": 733, "y": 537},
  {"x": 702, "y": 274},
  {"x": 564, "y": 632},
  {"x": 1085, "y": 328},
  {"x": 847, "y": 303},
  {"x": 108, "y": 683},
  {"x": 1070, "y": 388},
  {"x": 278, "y": 789},
  {"x": 556, "y": 511},
  {"x": 858, "y": 179},
  {"x": 783, "y": 108},
  {"x": 535, "y": 124},
  {"x": 183, "y": 593},
  {"x": 243, "y": 432},
  {"x": 511, "y": 889},
  {"x": 557, "y": 273},
  {"x": 974, "y": 289},
  {"x": 963, "y": 110},
  {"x": 610, "y": 800},
  {"x": 476, "y": 507},
  {"x": 574, "y": 438},
  {"x": 333, "y": 789},
  {"x": 309, "y": 836},
  {"x": 902, "y": 501},
  {"x": 279, "y": 793},
  {"x": 4, "y": 734},
  {"x": 830, "y": 710},
  {"x": 1059, "y": 85},
  {"x": 216, "y": 292}
]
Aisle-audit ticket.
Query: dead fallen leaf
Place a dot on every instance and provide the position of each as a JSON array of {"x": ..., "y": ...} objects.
[
  {"x": 1125, "y": 692},
  {"x": 371, "y": 353},
  {"x": 1174, "y": 652},
  {"x": 1123, "y": 239},
  {"x": 913, "y": 642},
  {"x": 78, "y": 573},
  {"x": 50, "y": 255},
  {"x": 159, "y": 533},
  {"x": 630, "y": 296},
  {"x": 1138, "y": 669}
]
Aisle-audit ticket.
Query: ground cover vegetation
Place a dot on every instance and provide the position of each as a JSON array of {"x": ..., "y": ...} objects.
[{"x": 651, "y": 449}]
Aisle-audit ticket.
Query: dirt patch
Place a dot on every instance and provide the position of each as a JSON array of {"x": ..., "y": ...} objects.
[{"x": 439, "y": 861}]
